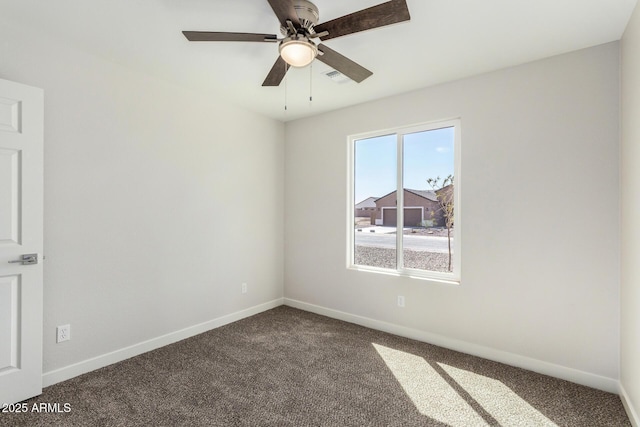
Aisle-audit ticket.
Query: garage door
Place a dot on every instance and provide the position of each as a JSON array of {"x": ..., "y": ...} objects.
[{"x": 412, "y": 216}]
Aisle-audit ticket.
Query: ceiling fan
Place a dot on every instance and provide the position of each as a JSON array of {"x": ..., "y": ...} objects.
[{"x": 299, "y": 26}]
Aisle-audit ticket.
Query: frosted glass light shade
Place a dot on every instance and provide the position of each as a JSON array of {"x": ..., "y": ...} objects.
[{"x": 298, "y": 53}]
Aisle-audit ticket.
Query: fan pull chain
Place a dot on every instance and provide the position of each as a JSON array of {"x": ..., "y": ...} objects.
[
  {"x": 310, "y": 84},
  {"x": 285, "y": 87}
]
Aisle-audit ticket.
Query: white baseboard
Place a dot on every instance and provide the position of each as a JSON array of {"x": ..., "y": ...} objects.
[
  {"x": 631, "y": 412},
  {"x": 68, "y": 372},
  {"x": 569, "y": 374},
  {"x": 576, "y": 376}
]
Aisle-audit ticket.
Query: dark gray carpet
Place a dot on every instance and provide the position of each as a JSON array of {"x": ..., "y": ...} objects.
[{"x": 287, "y": 367}]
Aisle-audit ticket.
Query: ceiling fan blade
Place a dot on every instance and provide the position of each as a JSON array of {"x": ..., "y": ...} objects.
[
  {"x": 284, "y": 10},
  {"x": 277, "y": 73},
  {"x": 343, "y": 64},
  {"x": 208, "y": 36},
  {"x": 383, "y": 14}
]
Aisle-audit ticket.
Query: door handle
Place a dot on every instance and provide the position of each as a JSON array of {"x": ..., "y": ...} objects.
[{"x": 27, "y": 259}]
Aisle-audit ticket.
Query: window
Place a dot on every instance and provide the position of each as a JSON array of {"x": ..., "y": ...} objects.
[{"x": 410, "y": 178}]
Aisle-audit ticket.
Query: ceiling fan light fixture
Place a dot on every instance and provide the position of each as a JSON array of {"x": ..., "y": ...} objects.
[{"x": 298, "y": 51}]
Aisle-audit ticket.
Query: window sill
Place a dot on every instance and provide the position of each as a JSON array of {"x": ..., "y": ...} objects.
[{"x": 443, "y": 279}]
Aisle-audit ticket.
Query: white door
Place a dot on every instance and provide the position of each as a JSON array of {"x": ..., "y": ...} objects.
[{"x": 21, "y": 197}]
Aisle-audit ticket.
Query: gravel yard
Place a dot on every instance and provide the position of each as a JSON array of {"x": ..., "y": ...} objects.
[{"x": 386, "y": 258}]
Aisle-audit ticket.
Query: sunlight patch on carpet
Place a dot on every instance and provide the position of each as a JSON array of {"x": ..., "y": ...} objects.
[
  {"x": 500, "y": 401},
  {"x": 429, "y": 392},
  {"x": 429, "y": 386}
]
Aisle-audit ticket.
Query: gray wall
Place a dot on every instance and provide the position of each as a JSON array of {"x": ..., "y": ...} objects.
[
  {"x": 540, "y": 264},
  {"x": 150, "y": 201},
  {"x": 630, "y": 160}
]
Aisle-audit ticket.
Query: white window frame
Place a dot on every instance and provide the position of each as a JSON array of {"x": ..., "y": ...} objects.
[{"x": 449, "y": 278}]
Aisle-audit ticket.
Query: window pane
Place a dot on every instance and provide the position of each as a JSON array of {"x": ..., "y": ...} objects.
[
  {"x": 428, "y": 174},
  {"x": 375, "y": 181}
]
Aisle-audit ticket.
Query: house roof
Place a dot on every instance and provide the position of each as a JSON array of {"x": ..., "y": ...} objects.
[
  {"x": 426, "y": 194},
  {"x": 369, "y": 202}
]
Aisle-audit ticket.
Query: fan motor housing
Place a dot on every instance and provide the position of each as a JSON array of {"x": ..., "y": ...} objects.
[{"x": 307, "y": 12}]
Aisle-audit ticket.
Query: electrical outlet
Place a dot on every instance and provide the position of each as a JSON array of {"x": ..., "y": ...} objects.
[
  {"x": 244, "y": 288},
  {"x": 400, "y": 301},
  {"x": 63, "y": 333}
]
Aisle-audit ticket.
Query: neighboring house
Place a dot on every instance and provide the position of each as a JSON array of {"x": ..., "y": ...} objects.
[
  {"x": 365, "y": 208},
  {"x": 420, "y": 206}
]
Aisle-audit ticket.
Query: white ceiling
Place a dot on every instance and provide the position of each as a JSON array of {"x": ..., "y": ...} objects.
[{"x": 445, "y": 40}]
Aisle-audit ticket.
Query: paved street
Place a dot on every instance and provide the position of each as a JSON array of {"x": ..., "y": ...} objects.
[{"x": 416, "y": 243}]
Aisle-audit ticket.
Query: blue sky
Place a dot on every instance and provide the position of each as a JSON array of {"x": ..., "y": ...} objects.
[{"x": 427, "y": 154}]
